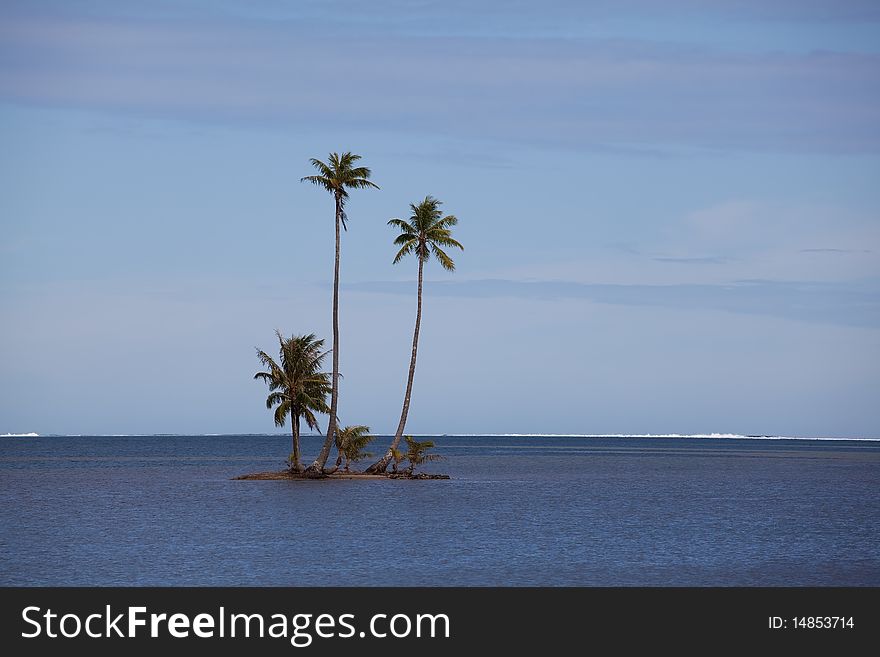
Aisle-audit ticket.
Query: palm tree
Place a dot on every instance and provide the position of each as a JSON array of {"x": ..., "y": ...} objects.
[
  {"x": 351, "y": 442},
  {"x": 297, "y": 386},
  {"x": 396, "y": 457},
  {"x": 416, "y": 455},
  {"x": 425, "y": 233},
  {"x": 337, "y": 177}
]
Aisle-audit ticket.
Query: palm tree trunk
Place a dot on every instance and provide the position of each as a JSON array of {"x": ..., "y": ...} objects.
[
  {"x": 382, "y": 464},
  {"x": 318, "y": 464},
  {"x": 338, "y": 461},
  {"x": 294, "y": 428}
]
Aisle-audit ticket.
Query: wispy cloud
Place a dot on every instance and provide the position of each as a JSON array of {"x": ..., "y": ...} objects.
[
  {"x": 775, "y": 241},
  {"x": 559, "y": 12},
  {"x": 849, "y": 304},
  {"x": 461, "y": 15},
  {"x": 841, "y": 251},
  {"x": 564, "y": 92},
  {"x": 707, "y": 260}
]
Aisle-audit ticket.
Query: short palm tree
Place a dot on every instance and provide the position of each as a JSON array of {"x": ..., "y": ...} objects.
[
  {"x": 337, "y": 176},
  {"x": 351, "y": 441},
  {"x": 297, "y": 386},
  {"x": 427, "y": 232},
  {"x": 397, "y": 456},
  {"x": 416, "y": 453}
]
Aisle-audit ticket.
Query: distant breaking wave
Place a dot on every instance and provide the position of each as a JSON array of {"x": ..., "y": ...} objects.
[
  {"x": 20, "y": 435},
  {"x": 603, "y": 435},
  {"x": 642, "y": 435}
]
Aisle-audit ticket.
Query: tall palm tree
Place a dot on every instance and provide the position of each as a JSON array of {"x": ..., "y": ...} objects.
[
  {"x": 297, "y": 386},
  {"x": 337, "y": 176},
  {"x": 424, "y": 234}
]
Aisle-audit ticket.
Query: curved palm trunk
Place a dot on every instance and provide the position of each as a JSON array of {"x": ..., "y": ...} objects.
[
  {"x": 382, "y": 464},
  {"x": 296, "y": 466},
  {"x": 318, "y": 464},
  {"x": 336, "y": 466}
]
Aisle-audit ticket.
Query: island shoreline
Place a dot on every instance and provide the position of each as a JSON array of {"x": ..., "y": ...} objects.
[{"x": 286, "y": 475}]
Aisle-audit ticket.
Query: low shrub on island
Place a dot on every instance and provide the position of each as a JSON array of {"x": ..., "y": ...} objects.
[{"x": 350, "y": 442}]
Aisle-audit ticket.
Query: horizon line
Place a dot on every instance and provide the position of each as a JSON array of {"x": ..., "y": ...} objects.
[{"x": 717, "y": 436}]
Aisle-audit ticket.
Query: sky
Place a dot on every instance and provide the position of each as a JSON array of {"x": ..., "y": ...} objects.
[{"x": 670, "y": 212}]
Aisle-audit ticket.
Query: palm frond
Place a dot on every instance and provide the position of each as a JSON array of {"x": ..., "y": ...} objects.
[
  {"x": 267, "y": 360},
  {"x": 446, "y": 222},
  {"x": 319, "y": 404},
  {"x": 311, "y": 420},
  {"x": 281, "y": 412},
  {"x": 343, "y": 161},
  {"x": 275, "y": 398},
  {"x": 322, "y": 168},
  {"x": 275, "y": 377},
  {"x": 445, "y": 239},
  {"x": 445, "y": 261},
  {"x": 359, "y": 181},
  {"x": 407, "y": 248},
  {"x": 404, "y": 226},
  {"x": 320, "y": 181},
  {"x": 265, "y": 376}
]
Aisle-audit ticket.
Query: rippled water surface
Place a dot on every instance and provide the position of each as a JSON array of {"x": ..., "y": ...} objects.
[{"x": 162, "y": 510}]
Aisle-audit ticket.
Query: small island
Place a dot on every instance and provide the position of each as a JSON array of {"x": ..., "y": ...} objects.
[
  {"x": 283, "y": 475},
  {"x": 298, "y": 388},
  {"x": 350, "y": 443}
]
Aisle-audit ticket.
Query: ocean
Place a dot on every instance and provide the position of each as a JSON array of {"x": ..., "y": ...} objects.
[{"x": 518, "y": 511}]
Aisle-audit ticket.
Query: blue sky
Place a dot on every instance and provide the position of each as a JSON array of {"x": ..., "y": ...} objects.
[{"x": 671, "y": 215}]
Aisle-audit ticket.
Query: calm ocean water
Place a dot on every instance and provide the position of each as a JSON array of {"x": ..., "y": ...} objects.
[{"x": 162, "y": 510}]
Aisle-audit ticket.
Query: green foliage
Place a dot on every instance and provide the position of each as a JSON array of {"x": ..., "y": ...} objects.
[
  {"x": 397, "y": 456},
  {"x": 351, "y": 441},
  {"x": 416, "y": 452},
  {"x": 425, "y": 233},
  {"x": 297, "y": 387},
  {"x": 338, "y": 175}
]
